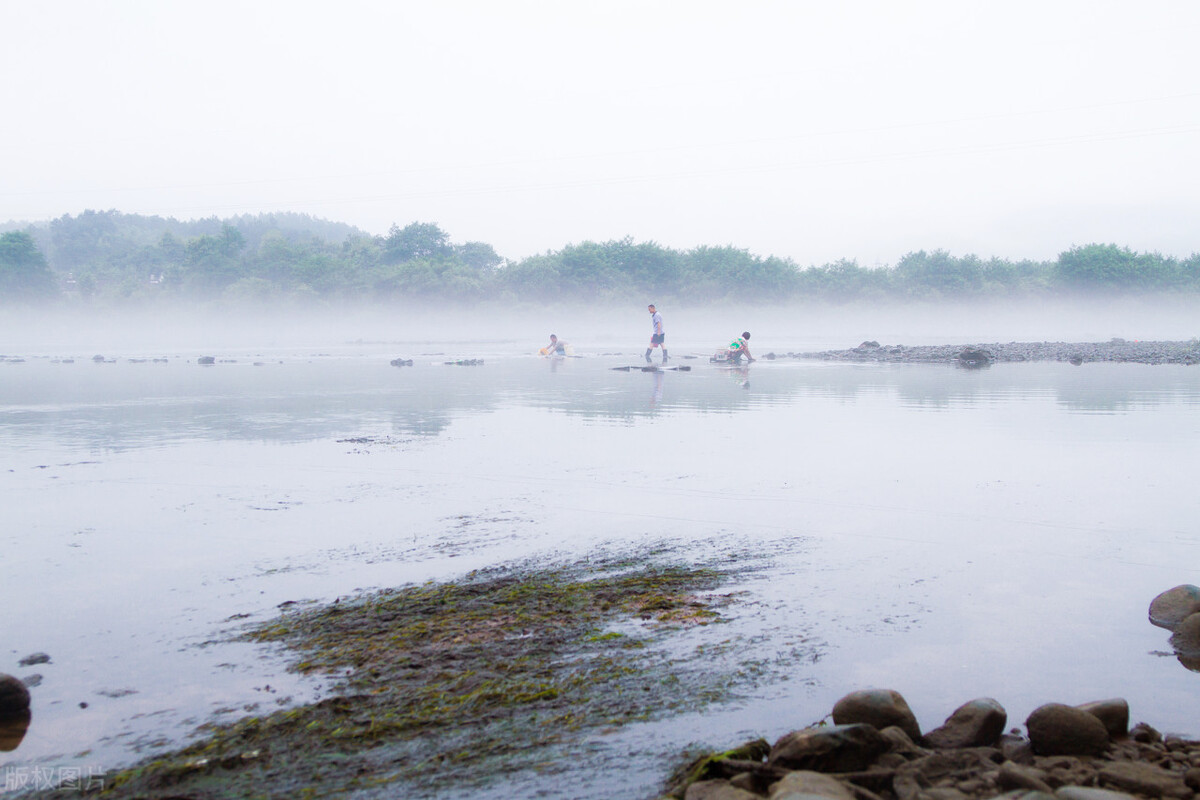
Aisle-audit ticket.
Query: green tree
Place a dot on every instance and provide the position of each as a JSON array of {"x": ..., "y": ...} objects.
[
  {"x": 479, "y": 256},
  {"x": 939, "y": 274},
  {"x": 211, "y": 262},
  {"x": 418, "y": 240},
  {"x": 1107, "y": 266},
  {"x": 1189, "y": 272},
  {"x": 715, "y": 272},
  {"x": 845, "y": 280},
  {"x": 24, "y": 274}
]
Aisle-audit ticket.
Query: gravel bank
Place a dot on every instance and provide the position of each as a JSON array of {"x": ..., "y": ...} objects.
[{"x": 1186, "y": 352}]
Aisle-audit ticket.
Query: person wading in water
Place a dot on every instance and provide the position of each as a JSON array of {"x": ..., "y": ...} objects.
[{"x": 657, "y": 337}]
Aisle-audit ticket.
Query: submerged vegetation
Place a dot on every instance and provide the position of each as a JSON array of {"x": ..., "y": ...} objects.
[
  {"x": 110, "y": 257},
  {"x": 458, "y": 683}
]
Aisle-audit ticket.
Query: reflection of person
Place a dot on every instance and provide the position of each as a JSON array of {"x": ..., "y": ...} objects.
[
  {"x": 657, "y": 395},
  {"x": 740, "y": 347},
  {"x": 657, "y": 337},
  {"x": 555, "y": 348}
]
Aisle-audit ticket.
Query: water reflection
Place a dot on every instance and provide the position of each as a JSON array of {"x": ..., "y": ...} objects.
[{"x": 126, "y": 406}]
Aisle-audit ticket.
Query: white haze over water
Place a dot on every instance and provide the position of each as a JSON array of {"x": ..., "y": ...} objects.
[
  {"x": 808, "y": 130},
  {"x": 475, "y": 332}
]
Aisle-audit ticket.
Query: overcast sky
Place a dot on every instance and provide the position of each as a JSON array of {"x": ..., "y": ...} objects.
[{"x": 812, "y": 130}]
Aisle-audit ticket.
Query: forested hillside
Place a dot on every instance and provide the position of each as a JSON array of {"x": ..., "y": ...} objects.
[{"x": 106, "y": 257}]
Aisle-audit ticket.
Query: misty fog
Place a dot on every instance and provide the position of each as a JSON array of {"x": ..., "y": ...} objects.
[{"x": 591, "y": 329}]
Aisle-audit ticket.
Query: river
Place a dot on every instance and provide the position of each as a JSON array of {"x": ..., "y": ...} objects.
[{"x": 944, "y": 532}]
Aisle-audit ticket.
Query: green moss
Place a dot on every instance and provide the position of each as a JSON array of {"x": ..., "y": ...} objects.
[
  {"x": 482, "y": 671},
  {"x": 707, "y": 766}
]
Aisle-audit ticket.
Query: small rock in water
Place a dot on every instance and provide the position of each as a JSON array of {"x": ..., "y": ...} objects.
[
  {"x": 12, "y": 730},
  {"x": 1174, "y": 606},
  {"x": 14, "y": 697},
  {"x": 1186, "y": 638}
]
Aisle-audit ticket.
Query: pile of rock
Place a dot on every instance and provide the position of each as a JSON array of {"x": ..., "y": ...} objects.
[
  {"x": 978, "y": 355},
  {"x": 875, "y": 751}
]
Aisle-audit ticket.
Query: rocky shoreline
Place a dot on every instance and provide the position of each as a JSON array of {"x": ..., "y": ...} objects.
[
  {"x": 875, "y": 751},
  {"x": 976, "y": 355}
]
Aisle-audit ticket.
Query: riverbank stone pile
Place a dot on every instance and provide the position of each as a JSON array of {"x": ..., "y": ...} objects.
[
  {"x": 875, "y": 750},
  {"x": 982, "y": 355}
]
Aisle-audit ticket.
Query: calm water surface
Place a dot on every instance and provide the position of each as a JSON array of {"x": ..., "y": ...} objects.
[{"x": 946, "y": 533}]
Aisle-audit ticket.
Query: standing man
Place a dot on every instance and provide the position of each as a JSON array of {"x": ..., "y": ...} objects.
[{"x": 657, "y": 337}]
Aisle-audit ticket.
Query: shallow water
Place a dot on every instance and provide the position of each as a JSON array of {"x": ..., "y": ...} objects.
[{"x": 943, "y": 532}]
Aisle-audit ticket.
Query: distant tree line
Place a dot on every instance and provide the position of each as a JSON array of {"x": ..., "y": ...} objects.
[{"x": 110, "y": 257}]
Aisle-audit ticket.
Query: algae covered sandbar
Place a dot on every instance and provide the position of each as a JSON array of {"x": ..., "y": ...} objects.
[{"x": 458, "y": 683}]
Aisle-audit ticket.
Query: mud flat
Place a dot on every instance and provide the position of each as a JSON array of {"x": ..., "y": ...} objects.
[
  {"x": 1078, "y": 353},
  {"x": 442, "y": 687}
]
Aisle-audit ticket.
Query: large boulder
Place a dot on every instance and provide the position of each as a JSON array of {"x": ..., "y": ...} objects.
[
  {"x": 1059, "y": 730},
  {"x": 829, "y": 748},
  {"x": 1174, "y": 606},
  {"x": 1113, "y": 713},
  {"x": 14, "y": 697},
  {"x": 880, "y": 708},
  {"x": 978, "y": 723}
]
